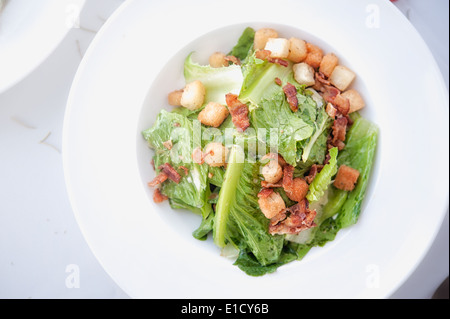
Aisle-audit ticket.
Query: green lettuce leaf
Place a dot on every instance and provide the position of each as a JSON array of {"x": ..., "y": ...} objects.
[
  {"x": 280, "y": 122},
  {"x": 193, "y": 189},
  {"x": 238, "y": 218},
  {"x": 245, "y": 44},
  {"x": 323, "y": 179},
  {"x": 359, "y": 153}
]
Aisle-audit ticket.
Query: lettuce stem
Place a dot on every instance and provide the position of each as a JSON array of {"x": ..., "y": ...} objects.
[{"x": 227, "y": 194}]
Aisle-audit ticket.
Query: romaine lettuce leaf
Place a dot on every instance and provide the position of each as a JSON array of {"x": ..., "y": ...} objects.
[
  {"x": 359, "y": 153},
  {"x": 323, "y": 179},
  {"x": 238, "y": 218},
  {"x": 245, "y": 44},
  {"x": 193, "y": 189},
  {"x": 275, "y": 116}
]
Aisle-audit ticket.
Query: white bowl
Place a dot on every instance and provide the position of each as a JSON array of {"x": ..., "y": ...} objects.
[
  {"x": 148, "y": 248},
  {"x": 29, "y": 32}
]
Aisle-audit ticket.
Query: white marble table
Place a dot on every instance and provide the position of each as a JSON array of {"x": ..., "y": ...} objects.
[{"x": 41, "y": 246}]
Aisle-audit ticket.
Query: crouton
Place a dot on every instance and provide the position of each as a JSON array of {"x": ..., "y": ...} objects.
[
  {"x": 174, "y": 98},
  {"x": 346, "y": 178},
  {"x": 278, "y": 47},
  {"x": 218, "y": 59},
  {"x": 356, "y": 101},
  {"x": 193, "y": 95},
  {"x": 314, "y": 56},
  {"x": 272, "y": 171},
  {"x": 271, "y": 205},
  {"x": 261, "y": 37},
  {"x": 304, "y": 74},
  {"x": 297, "y": 50},
  {"x": 341, "y": 77},
  {"x": 329, "y": 62},
  {"x": 213, "y": 114},
  {"x": 215, "y": 154}
]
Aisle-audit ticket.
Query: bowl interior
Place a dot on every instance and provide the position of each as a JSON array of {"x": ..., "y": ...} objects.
[{"x": 171, "y": 78}]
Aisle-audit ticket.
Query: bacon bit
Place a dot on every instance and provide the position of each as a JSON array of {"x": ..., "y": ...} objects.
[
  {"x": 333, "y": 96},
  {"x": 158, "y": 197},
  {"x": 185, "y": 169},
  {"x": 315, "y": 169},
  {"x": 233, "y": 59},
  {"x": 265, "y": 55},
  {"x": 278, "y": 81},
  {"x": 266, "y": 184},
  {"x": 197, "y": 156},
  {"x": 170, "y": 172},
  {"x": 168, "y": 144},
  {"x": 339, "y": 129},
  {"x": 295, "y": 188},
  {"x": 238, "y": 111},
  {"x": 327, "y": 159},
  {"x": 321, "y": 78},
  {"x": 152, "y": 163},
  {"x": 176, "y": 124},
  {"x": 265, "y": 192},
  {"x": 158, "y": 180},
  {"x": 293, "y": 219},
  {"x": 291, "y": 95}
]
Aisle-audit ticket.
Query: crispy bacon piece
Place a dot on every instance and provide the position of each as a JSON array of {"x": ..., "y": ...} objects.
[
  {"x": 321, "y": 78},
  {"x": 331, "y": 110},
  {"x": 293, "y": 220},
  {"x": 238, "y": 111},
  {"x": 159, "y": 179},
  {"x": 333, "y": 95},
  {"x": 295, "y": 188},
  {"x": 170, "y": 172},
  {"x": 158, "y": 197},
  {"x": 266, "y": 184},
  {"x": 291, "y": 95},
  {"x": 233, "y": 59},
  {"x": 278, "y": 81},
  {"x": 265, "y": 55},
  {"x": 265, "y": 192},
  {"x": 339, "y": 129},
  {"x": 315, "y": 169}
]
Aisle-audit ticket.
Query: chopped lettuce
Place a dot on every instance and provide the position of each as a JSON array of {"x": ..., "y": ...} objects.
[{"x": 287, "y": 127}]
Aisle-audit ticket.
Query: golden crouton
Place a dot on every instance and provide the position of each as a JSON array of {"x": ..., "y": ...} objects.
[
  {"x": 341, "y": 77},
  {"x": 314, "y": 56},
  {"x": 271, "y": 205},
  {"x": 174, "y": 98},
  {"x": 217, "y": 60},
  {"x": 213, "y": 114},
  {"x": 329, "y": 62},
  {"x": 346, "y": 178},
  {"x": 261, "y": 37},
  {"x": 193, "y": 95},
  {"x": 356, "y": 101},
  {"x": 297, "y": 50},
  {"x": 215, "y": 154}
]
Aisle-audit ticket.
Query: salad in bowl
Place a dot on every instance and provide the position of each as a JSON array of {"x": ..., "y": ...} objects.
[{"x": 266, "y": 144}]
